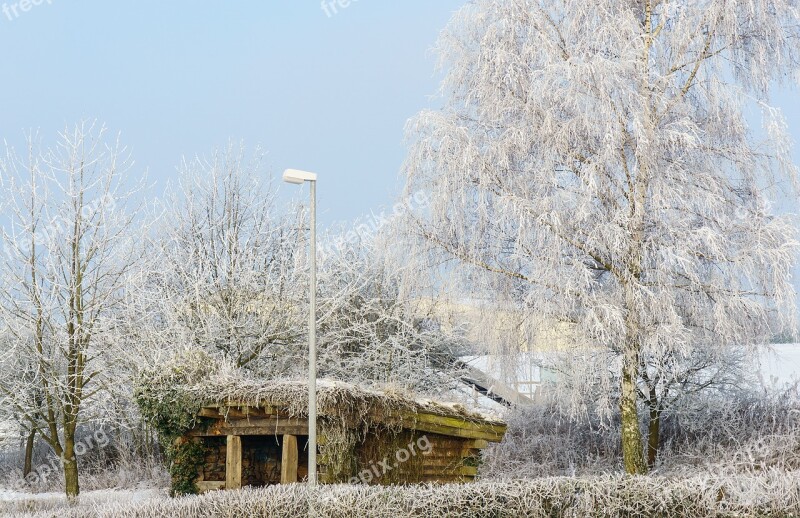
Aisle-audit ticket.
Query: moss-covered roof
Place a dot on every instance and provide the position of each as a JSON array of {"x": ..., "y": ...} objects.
[
  {"x": 335, "y": 399},
  {"x": 173, "y": 396}
]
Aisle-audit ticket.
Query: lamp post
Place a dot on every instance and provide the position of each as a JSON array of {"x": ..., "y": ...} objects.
[{"x": 299, "y": 177}]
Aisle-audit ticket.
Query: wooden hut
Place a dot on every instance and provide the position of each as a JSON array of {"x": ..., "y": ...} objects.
[{"x": 364, "y": 436}]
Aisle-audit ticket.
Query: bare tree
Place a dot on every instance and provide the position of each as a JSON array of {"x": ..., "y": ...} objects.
[
  {"x": 67, "y": 254},
  {"x": 228, "y": 274},
  {"x": 593, "y": 158},
  {"x": 226, "y": 270},
  {"x": 377, "y": 323}
]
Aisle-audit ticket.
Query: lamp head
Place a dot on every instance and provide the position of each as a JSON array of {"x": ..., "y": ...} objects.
[{"x": 296, "y": 176}]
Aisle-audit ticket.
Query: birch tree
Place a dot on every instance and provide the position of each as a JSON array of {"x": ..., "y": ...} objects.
[
  {"x": 66, "y": 256},
  {"x": 594, "y": 161}
]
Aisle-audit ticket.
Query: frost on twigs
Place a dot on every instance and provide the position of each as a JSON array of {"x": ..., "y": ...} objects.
[
  {"x": 761, "y": 495},
  {"x": 739, "y": 433},
  {"x": 592, "y": 167},
  {"x": 228, "y": 273}
]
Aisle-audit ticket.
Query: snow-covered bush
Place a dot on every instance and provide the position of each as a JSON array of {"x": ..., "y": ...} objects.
[
  {"x": 745, "y": 432},
  {"x": 768, "y": 494}
]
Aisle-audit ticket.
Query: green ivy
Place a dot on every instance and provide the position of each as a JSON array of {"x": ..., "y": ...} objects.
[
  {"x": 187, "y": 458},
  {"x": 171, "y": 412},
  {"x": 473, "y": 461},
  {"x": 161, "y": 396}
]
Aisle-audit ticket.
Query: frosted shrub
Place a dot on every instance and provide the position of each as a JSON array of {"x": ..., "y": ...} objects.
[
  {"x": 768, "y": 494},
  {"x": 745, "y": 432}
]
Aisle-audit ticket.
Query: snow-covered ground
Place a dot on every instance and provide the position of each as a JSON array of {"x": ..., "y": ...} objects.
[
  {"x": 128, "y": 495},
  {"x": 12, "y": 502}
]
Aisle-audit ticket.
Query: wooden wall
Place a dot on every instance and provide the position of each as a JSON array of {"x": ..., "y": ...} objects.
[{"x": 413, "y": 457}]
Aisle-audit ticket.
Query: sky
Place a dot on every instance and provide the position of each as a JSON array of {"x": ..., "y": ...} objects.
[
  {"x": 329, "y": 93},
  {"x": 318, "y": 88}
]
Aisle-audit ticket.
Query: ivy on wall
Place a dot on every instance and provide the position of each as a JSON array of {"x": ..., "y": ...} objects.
[{"x": 172, "y": 411}]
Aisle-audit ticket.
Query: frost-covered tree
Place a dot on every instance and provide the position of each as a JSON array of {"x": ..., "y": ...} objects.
[
  {"x": 594, "y": 159},
  {"x": 226, "y": 269},
  {"x": 228, "y": 274},
  {"x": 375, "y": 325},
  {"x": 67, "y": 252}
]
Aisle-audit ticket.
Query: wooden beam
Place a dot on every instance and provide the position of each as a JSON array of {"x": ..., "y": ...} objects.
[
  {"x": 457, "y": 422},
  {"x": 453, "y": 426},
  {"x": 233, "y": 463},
  {"x": 234, "y": 413},
  {"x": 249, "y": 431},
  {"x": 289, "y": 460},
  {"x": 254, "y": 426},
  {"x": 455, "y": 432},
  {"x": 209, "y": 412}
]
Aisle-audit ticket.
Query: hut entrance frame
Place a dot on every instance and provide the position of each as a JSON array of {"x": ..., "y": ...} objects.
[
  {"x": 234, "y": 461},
  {"x": 249, "y": 447}
]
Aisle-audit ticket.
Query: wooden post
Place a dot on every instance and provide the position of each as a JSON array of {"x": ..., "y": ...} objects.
[
  {"x": 233, "y": 463},
  {"x": 289, "y": 460}
]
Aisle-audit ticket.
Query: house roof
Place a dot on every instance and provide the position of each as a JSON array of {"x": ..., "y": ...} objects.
[{"x": 348, "y": 404}]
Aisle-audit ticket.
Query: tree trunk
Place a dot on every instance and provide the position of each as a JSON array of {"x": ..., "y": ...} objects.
[
  {"x": 632, "y": 454},
  {"x": 632, "y": 451},
  {"x": 70, "y": 466},
  {"x": 27, "y": 467},
  {"x": 653, "y": 435}
]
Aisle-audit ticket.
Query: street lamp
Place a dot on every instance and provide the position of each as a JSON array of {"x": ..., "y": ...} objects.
[{"x": 299, "y": 177}]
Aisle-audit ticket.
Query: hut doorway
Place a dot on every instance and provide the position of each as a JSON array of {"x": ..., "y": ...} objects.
[
  {"x": 269, "y": 459},
  {"x": 261, "y": 460}
]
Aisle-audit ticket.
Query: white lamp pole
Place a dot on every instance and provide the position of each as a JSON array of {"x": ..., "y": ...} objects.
[{"x": 298, "y": 177}]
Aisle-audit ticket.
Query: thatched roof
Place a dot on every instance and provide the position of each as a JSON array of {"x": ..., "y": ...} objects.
[
  {"x": 176, "y": 394},
  {"x": 336, "y": 400}
]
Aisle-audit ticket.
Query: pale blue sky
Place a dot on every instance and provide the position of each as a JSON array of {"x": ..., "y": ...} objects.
[{"x": 180, "y": 77}]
